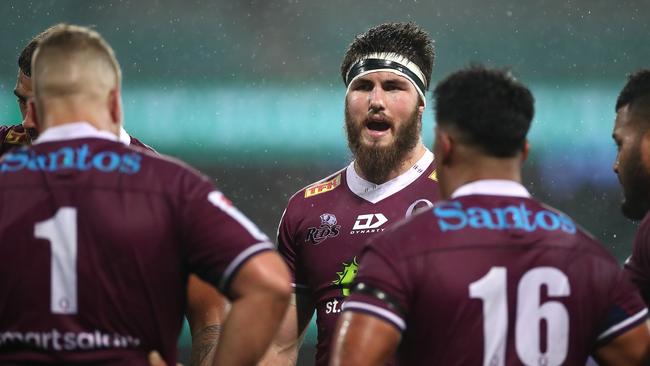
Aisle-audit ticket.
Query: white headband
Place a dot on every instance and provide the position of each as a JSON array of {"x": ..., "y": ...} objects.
[{"x": 389, "y": 62}]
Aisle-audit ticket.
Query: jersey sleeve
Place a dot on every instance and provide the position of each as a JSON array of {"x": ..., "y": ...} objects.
[
  {"x": 219, "y": 238},
  {"x": 626, "y": 311},
  {"x": 288, "y": 248},
  {"x": 637, "y": 266},
  {"x": 380, "y": 287}
]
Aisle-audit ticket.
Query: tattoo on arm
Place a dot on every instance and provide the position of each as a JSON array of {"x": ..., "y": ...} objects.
[{"x": 203, "y": 345}]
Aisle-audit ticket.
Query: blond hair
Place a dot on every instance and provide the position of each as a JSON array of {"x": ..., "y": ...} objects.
[{"x": 73, "y": 60}]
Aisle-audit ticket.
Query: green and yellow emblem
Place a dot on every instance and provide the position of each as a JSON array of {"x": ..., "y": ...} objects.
[{"x": 346, "y": 276}]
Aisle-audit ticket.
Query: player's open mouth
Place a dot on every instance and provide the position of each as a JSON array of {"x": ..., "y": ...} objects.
[{"x": 378, "y": 126}]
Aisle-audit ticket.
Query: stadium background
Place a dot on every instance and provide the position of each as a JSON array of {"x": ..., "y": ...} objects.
[{"x": 250, "y": 92}]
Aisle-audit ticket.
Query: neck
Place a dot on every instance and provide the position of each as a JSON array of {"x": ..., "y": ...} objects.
[
  {"x": 478, "y": 168},
  {"x": 409, "y": 160},
  {"x": 64, "y": 111}
]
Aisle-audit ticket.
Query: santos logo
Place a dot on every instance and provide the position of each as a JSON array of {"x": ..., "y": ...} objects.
[{"x": 368, "y": 223}]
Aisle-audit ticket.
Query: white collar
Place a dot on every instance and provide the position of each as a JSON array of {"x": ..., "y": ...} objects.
[
  {"x": 80, "y": 130},
  {"x": 374, "y": 193},
  {"x": 492, "y": 187}
]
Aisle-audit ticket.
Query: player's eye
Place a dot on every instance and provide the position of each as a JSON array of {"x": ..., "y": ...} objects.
[{"x": 362, "y": 86}]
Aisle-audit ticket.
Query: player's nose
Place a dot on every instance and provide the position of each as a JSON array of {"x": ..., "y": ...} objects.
[{"x": 376, "y": 98}]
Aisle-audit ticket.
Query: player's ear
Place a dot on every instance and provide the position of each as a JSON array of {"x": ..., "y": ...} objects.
[
  {"x": 115, "y": 106},
  {"x": 32, "y": 115},
  {"x": 443, "y": 146}
]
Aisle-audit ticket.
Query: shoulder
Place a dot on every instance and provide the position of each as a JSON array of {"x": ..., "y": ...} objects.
[
  {"x": 14, "y": 135},
  {"x": 168, "y": 173},
  {"x": 321, "y": 189},
  {"x": 135, "y": 142}
]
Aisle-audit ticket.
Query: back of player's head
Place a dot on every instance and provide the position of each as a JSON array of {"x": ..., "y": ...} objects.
[
  {"x": 402, "y": 43},
  {"x": 488, "y": 108},
  {"x": 74, "y": 60},
  {"x": 636, "y": 94},
  {"x": 25, "y": 58}
]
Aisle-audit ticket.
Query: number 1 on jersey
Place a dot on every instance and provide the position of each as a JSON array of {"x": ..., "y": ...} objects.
[{"x": 61, "y": 231}]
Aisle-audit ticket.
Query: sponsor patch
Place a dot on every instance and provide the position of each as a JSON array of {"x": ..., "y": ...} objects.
[
  {"x": 369, "y": 223},
  {"x": 346, "y": 276},
  {"x": 323, "y": 187}
]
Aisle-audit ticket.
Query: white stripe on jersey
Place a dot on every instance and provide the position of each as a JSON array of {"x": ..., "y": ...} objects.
[
  {"x": 623, "y": 324},
  {"x": 217, "y": 199},
  {"x": 382, "y": 313},
  {"x": 239, "y": 259}
]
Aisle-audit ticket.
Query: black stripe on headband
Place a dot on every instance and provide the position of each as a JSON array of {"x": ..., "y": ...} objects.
[
  {"x": 376, "y": 64},
  {"x": 392, "y": 302}
]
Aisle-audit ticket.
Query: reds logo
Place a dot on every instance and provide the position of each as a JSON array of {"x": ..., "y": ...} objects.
[{"x": 327, "y": 229}]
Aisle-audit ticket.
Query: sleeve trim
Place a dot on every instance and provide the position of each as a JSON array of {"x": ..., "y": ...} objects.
[
  {"x": 239, "y": 259},
  {"x": 625, "y": 323},
  {"x": 377, "y": 311}
]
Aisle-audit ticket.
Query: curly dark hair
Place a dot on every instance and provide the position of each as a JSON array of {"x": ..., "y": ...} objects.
[
  {"x": 488, "y": 107},
  {"x": 25, "y": 58},
  {"x": 636, "y": 93},
  {"x": 406, "y": 39}
]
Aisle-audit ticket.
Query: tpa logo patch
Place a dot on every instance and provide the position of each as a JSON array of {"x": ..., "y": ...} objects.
[
  {"x": 369, "y": 223},
  {"x": 327, "y": 229},
  {"x": 323, "y": 187}
]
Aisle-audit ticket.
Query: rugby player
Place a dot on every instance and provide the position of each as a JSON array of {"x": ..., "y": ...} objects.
[
  {"x": 387, "y": 71},
  {"x": 23, "y": 133},
  {"x": 206, "y": 308},
  {"x": 490, "y": 276},
  {"x": 632, "y": 166},
  {"x": 98, "y": 238}
]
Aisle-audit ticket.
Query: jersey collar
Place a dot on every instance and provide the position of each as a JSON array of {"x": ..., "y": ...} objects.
[
  {"x": 374, "y": 193},
  {"x": 80, "y": 130},
  {"x": 492, "y": 187}
]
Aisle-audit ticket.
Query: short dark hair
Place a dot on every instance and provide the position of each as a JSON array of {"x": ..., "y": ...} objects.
[
  {"x": 25, "y": 58},
  {"x": 637, "y": 89},
  {"x": 406, "y": 39},
  {"x": 488, "y": 107}
]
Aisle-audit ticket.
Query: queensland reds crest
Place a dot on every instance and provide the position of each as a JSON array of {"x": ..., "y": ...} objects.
[{"x": 327, "y": 229}]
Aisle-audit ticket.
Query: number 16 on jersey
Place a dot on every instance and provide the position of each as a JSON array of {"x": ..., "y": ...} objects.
[{"x": 492, "y": 290}]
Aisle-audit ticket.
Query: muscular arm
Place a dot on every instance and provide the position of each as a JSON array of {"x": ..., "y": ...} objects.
[
  {"x": 362, "y": 339},
  {"x": 206, "y": 313},
  {"x": 630, "y": 349},
  {"x": 261, "y": 291},
  {"x": 285, "y": 345}
]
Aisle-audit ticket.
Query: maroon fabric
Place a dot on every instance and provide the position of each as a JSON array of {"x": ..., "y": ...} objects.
[
  {"x": 428, "y": 265},
  {"x": 638, "y": 265},
  {"x": 12, "y": 137},
  {"x": 143, "y": 223},
  {"x": 319, "y": 243}
]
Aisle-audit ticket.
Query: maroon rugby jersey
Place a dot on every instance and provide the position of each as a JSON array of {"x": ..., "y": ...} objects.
[
  {"x": 16, "y": 136},
  {"x": 637, "y": 265},
  {"x": 324, "y": 226},
  {"x": 12, "y": 137},
  {"x": 494, "y": 277},
  {"x": 96, "y": 243}
]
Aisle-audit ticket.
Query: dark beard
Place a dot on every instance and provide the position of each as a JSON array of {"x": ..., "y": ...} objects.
[
  {"x": 375, "y": 162},
  {"x": 636, "y": 185}
]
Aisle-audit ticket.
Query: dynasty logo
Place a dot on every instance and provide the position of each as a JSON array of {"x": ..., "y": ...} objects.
[{"x": 327, "y": 229}]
